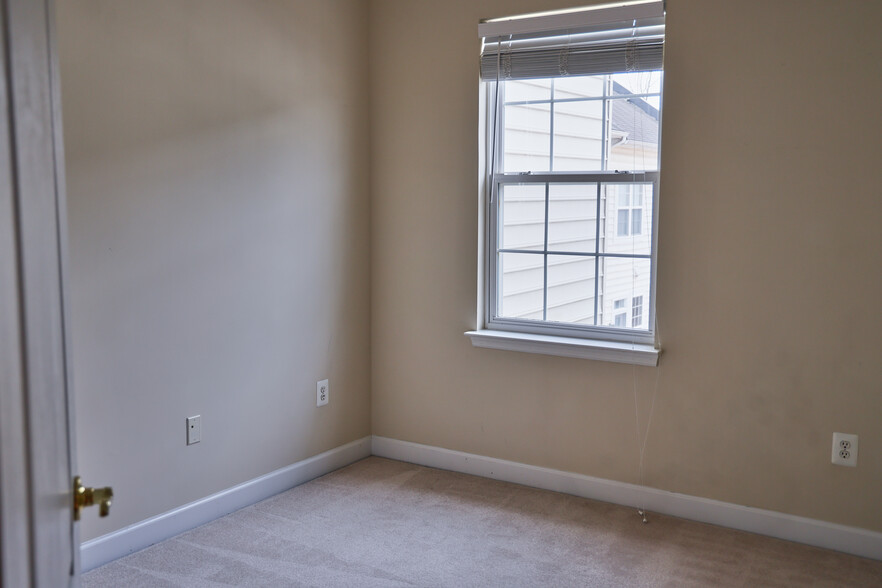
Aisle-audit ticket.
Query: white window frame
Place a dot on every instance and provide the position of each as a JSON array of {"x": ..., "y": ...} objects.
[
  {"x": 601, "y": 342},
  {"x": 596, "y": 332}
]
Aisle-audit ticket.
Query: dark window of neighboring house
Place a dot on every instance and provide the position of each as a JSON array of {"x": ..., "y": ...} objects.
[{"x": 636, "y": 311}]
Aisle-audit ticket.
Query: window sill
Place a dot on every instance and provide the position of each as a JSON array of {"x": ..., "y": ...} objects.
[{"x": 631, "y": 353}]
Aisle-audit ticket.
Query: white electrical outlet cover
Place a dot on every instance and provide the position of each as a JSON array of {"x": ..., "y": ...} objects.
[
  {"x": 845, "y": 449},
  {"x": 194, "y": 429},
  {"x": 322, "y": 391}
]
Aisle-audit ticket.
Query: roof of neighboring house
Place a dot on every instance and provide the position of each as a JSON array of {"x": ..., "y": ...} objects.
[{"x": 634, "y": 116}]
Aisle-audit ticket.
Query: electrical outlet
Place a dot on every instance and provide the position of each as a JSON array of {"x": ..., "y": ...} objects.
[
  {"x": 194, "y": 429},
  {"x": 322, "y": 392},
  {"x": 845, "y": 449}
]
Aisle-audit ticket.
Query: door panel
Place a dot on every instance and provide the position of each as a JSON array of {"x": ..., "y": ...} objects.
[{"x": 36, "y": 532}]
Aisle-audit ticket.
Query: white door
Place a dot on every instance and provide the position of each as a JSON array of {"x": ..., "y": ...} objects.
[{"x": 39, "y": 545}]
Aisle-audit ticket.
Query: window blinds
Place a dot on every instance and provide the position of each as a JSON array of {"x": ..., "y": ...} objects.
[{"x": 591, "y": 41}]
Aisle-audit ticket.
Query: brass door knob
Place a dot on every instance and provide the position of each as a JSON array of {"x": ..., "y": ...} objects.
[{"x": 83, "y": 497}]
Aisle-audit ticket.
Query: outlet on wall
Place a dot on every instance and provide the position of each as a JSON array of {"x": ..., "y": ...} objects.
[
  {"x": 845, "y": 449},
  {"x": 194, "y": 429},
  {"x": 322, "y": 392}
]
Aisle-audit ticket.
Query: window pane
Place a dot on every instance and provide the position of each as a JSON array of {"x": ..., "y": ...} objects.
[
  {"x": 522, "y": 216},
  {"x": 521, "y": 285},
  {"x": 578, "y": 87},
  {"x": 623, "y": 278},
  {"x": 578, "y": 136},
  {"x": 566, "y": 236},
  {"x": 636, "y": 222},
  {"x": 633, "y": 141},
  {"x": 622, "y": 224},
  {"x": 637, "y": 82},
  {"x": 572, "y": 217},
  {"x": 520, "y": 90},
  {"x": 628, "y": 228},
  {"x": 637, "y": 311},
  {"x": 527, "y": 138},
  {"x": 571, "y": 289}
]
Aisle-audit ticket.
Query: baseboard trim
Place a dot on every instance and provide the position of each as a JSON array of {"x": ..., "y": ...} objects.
[
  {"x": 851, "y": 540},
  {"x": 107, "y": 548}
]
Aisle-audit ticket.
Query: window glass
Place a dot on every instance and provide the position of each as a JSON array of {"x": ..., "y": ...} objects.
[
  {"x": 630, "y": 219},
  {"x": 639, "y": 82},
  {"x": 571, "y": 289},
  {"x": 636, "y": 222},
  {"x": 527, "y": 138},
  {"x": 524, "y": 90},
  {"x": 572, "y": 217},
  {"x": 622, "y": 230},
  {"x": 578, "y": 136},
  {"x": 624, "y": 278},
  {"x": 571, "y": 87},
  {"x": 522, "y": 216},
  {"x": 633, "y": 143},
  {"x": 521, "y": 286},
  {"x": 637, "y": 311},
  {"x": 570, "y": 248}
]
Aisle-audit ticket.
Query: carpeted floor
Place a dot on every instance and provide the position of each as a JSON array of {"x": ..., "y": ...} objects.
[{"x": 386, "y": 523}]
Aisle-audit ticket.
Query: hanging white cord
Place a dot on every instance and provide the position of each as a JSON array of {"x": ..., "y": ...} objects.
[
  {"x": 492, "y": 166},
  {"x": 641, "y": 444},
  {"x": 638, "y": 126}
]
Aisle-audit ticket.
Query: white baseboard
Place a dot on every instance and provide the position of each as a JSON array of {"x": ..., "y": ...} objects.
[
  {"x": 852, "y": 540},
  {"x": 107, "y": 548}
]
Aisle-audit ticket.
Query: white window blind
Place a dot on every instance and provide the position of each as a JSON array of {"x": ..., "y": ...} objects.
[{"x": 590, "y": 41}]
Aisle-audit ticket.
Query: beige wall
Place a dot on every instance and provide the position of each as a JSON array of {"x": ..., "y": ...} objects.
[
  {"x": 769, "y": 255},
  {"x": 217, "y": 164},
  {"x": 226, "y": 255}
]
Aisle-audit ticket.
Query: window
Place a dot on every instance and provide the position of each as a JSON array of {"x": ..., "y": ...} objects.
[
  {"x": 636, "y": 311},
  {"x": 573, "y": 115},
  {"x": 629, "y": 213},
  {"x": 621, "y": 318}
]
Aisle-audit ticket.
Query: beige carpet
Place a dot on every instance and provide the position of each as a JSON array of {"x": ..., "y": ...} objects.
[{"x": 386, "y": 523}]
